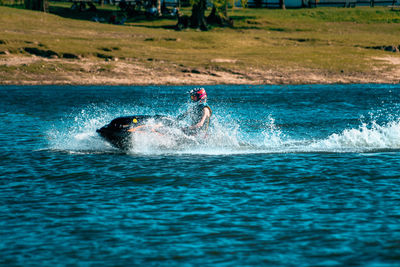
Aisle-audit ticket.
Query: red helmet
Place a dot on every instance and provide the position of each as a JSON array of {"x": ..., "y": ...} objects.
[{"x": 198, "y": 94}]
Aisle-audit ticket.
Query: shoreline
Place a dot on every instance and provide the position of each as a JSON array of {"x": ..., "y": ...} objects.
[{"x": 94, "y": 72}]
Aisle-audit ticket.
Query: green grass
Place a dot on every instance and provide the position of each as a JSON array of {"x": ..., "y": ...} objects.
[{"x": 331, "y": 40}]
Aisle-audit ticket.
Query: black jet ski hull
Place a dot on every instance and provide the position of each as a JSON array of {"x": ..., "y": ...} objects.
[{"x": 119, "y": 131}]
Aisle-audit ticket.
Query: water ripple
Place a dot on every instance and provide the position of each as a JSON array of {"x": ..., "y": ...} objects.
[{"x": 297, "y": 176}]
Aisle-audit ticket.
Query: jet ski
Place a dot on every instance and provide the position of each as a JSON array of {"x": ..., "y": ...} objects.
[{"x": 120, "y": 130}]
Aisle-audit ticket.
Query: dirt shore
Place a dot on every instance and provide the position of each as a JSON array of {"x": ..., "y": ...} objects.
[{"x": 125, "y": 72}]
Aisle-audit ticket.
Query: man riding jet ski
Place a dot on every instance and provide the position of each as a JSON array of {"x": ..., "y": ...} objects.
[
  {"x": 199, "y": 113},
  {"x": 120, "y": 130}
]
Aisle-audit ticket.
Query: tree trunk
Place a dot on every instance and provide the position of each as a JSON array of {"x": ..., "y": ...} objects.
[
  {"x": 372, "y": 3},
  {"x": 45, "y": 6},
  {"x": 226, "y": 10},
  {"x": 282, "y": 4},
  {"x": 213, "y": 18},
  {"x": 159, "y": 8},
  {"x": 198, "y": 20},
  {"x": 219, "y": 18}
]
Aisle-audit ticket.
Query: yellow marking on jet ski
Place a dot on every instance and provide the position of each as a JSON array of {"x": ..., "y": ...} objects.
[{"x": 134, "y": 120}]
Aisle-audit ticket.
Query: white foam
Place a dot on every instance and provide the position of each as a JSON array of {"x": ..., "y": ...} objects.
[
  {"x": 226, "y": 136},
  {"x": 273, "y": 136},
  {"x": 365, "y": 138},
  {"x": 78, "y": 134}
]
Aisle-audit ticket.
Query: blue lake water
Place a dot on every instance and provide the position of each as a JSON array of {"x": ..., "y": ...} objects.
[{"x": 289, "y": 176}]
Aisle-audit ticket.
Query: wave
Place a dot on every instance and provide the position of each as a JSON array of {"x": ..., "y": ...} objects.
[
  {"x": 367, "y": 138},
  {"x": 77, "y": 134}
]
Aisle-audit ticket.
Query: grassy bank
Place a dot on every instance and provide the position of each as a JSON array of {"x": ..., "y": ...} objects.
[{"x": 264, "y": 46}]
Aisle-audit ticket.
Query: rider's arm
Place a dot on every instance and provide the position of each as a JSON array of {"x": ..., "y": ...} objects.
[{"x": 206, "y": 115}]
